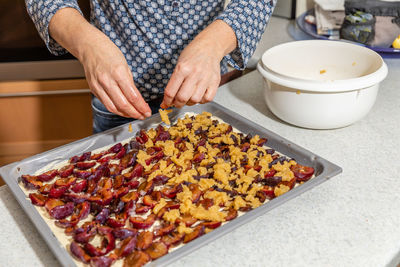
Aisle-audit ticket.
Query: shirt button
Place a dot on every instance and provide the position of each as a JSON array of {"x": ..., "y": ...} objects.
[{"x": 175, "y": 4}]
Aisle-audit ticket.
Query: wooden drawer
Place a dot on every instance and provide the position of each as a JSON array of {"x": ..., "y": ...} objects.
[{"x": 36, "y": 116}]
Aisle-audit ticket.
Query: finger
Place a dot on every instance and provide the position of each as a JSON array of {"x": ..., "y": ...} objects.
[
  {"x": 99, "y": 92},
  {"x": 172, "y": 88},
  {"x": 210, "y": 93},
  {"x": 191, "y": 103},
  {"x": 118, "y": 99},
  {"x": 199, "y": 92},
  {"x": 185, "y": 92},
  {"x": 133, "y": 95}
]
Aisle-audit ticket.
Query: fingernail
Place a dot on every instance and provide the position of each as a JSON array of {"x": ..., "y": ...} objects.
[
  {"x": 147, "y": 114},
  {"x": 141, "y": 118}
]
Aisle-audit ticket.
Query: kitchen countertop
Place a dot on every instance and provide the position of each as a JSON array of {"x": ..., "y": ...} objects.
[{"x": 350, "y": 220}]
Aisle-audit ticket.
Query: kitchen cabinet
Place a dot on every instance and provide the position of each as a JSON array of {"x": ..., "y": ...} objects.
[{"x": 36, "y": 116}]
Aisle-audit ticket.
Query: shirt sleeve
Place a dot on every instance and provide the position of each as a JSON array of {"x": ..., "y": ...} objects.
[
  {"x": 248, "y": 19},
  {"x": 41, "y": 12}
]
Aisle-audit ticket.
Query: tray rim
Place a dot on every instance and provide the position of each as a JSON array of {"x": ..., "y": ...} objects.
[{"x": 63, "y": 256}]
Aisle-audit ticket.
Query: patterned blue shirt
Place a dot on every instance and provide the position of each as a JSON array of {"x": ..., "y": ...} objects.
[{"x": 152, "y": 33}]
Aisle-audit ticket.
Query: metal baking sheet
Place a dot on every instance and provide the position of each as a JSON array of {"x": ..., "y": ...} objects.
[{"x": 324, "y": 170}]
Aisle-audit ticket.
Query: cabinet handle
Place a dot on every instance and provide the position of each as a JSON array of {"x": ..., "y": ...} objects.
[{"x": 45, "y": 93}]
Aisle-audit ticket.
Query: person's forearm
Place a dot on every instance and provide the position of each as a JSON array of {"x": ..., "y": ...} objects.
[
  {"x": 73, "y": 32},
  {"x": 197, "y": 74},
  {"x": 220, "y": 36},
  {"x": 106, "y": 69}
]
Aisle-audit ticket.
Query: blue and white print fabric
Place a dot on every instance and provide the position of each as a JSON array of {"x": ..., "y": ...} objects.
[{"x": 152, "y": 33}]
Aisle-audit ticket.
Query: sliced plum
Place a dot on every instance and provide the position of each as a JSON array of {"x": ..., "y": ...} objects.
[
  {"x": 187, "y": 219},
  {"x": 79, "y": 186},
  {"x": 37, "y": 199},
  {"x": 126, "y": 247},
  {"x": 149, "y": 201},
  {"x": 81, "y": 211},
  {"x": 103, "y": 197},
  {"x": 102, "y": 216},
  {"x": 102, "y": 261},
  {"x": 57, "y": 209},
  {"x": 160, "y": 179},
  {"x": 85, "y": 165},
  {"x": 68, "y": 182},
  {"x": 144, "y": 240},
  {"x": 115, "y": 223},
  {"x": 105, "y": 159},
  {"x": 262, "y": 141},
  {"x": 128, "y": 159},
  {"x": 198, "y": 157},
  {"x": 137, "y": 171},
  {"x": 207, "y": 203},
  {"x": 83, "y": 157},
  {"x": 120, "y": 153},
  {"x": 291, "y": 183},
  {"x": 301, "y": 172},
  {"x": 157, "y": 250},
  {"x": 268, "y": 191},
  {"x": 45, "y": 189},
  {"x": 197, "y": 232},
  {"x": 47, "y": 176},
  {"x": 122, "y": 191},
  {"x": 212, "y": 225},
  {"x": 270, "y": 173},
  {"x": 115, "y": 148},
  {"x": 141, "y": 209},
  {"x": 272, "y": 181},
  {"x": 79, "y": 252},
  {"x": 261, "y": 196},
  {"x": 172, "y": 239},
  {"x": 85, "y": 233},
  {"x": 107, "y": 244},
  {"x": 170, "y": 192},
  {"x": 232, "y": 214},
  {"x": 83, "y": 174},
  {"x": 162, "y": 134},
  {"x": 66, "y": 171},
  {"x": 76, "y": 198},
  {"x": 118, "y": 181},
  {"x": 123, "y": 233},
  {"x": 98, "y": 155},
  {"x": 133, "y": 184},
  {"x": 196, "y": 192},
  {"x": 146, "y": 187},
  {"x": 162, "y": 230},
  {"x": 131, "y": 196},
  {"x": 136, "y": 259},
  {"x": 142, "y": 137},
  {"x": 57, "y": 192},
  {"x": 140, "y": 223},
  {"x": 31, "y": 182}
]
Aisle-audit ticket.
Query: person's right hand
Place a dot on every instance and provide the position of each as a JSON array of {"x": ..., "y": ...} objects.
[
  {"x": 110, "y": 79},
  {"x": 106, "y": 69}
]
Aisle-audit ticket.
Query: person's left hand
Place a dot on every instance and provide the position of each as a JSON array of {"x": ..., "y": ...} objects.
[{"x": 197, "y": 74}]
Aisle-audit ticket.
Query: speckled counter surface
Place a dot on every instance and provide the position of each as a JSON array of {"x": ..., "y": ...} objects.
[{"x": 351, "y": 220}]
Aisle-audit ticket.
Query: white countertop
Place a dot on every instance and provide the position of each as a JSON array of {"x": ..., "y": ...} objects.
[{"x": 350, "y": 220}]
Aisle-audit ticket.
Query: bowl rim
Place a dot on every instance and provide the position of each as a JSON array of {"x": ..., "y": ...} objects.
[{"x": 343, "y": 85}]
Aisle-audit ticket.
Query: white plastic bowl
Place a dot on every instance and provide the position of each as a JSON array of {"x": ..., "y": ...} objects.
[{"x": 321, "y": 84}]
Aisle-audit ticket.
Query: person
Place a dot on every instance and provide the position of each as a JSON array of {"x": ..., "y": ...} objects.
[{"x": 139, "y": 55}]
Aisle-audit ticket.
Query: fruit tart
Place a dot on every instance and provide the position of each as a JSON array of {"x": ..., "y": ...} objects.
[{"x": 137, "y": 200}]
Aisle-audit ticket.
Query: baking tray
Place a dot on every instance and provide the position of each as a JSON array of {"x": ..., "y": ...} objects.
[{"x": 11, "y": 173}]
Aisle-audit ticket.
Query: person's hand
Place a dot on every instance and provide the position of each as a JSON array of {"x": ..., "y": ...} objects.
[
  {"x": 110, "y": 79},
  {"x": 197, "y": 74},
  {"x": 106, "y": 69}
]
